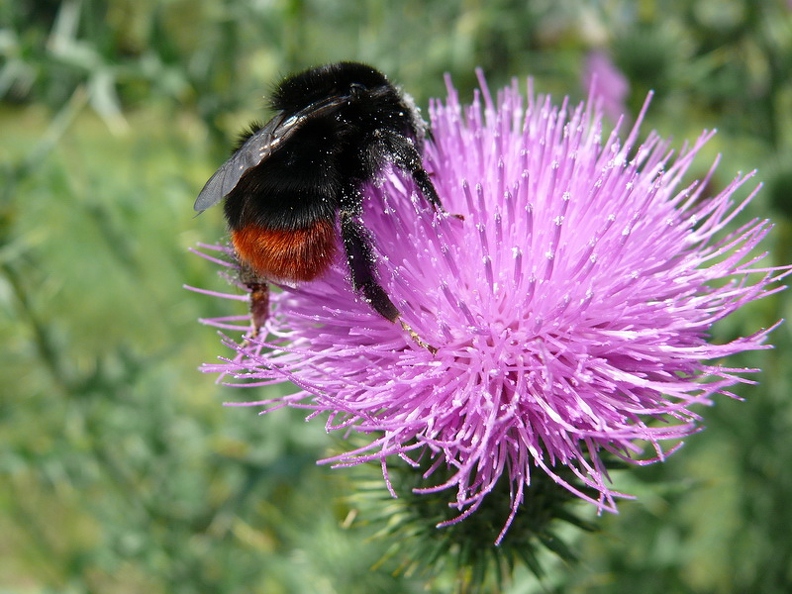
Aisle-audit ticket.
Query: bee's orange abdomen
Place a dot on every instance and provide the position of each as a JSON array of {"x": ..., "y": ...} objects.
[{"x": 290, "y": 255}]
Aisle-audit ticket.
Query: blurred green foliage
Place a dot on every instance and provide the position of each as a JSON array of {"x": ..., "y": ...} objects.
[{"x": 120, "y": 472}]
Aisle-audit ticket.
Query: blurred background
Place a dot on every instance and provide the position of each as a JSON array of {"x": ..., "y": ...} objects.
[{"x": 120, "y": 471}]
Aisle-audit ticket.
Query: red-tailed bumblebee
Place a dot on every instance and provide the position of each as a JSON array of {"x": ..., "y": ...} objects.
[{"x": 294, "y": 183}]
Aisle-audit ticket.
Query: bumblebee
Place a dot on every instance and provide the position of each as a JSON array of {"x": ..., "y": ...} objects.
[{"x": 294, "y": 184}]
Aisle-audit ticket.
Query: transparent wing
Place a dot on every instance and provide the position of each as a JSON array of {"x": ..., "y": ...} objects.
[{"x": 257, "y": 149}]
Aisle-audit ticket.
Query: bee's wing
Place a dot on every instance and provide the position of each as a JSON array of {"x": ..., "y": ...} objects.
[{"x": 256, "y": 149}]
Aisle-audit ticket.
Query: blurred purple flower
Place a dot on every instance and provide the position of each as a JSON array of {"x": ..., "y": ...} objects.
[
  {"x": 606, "y": 83},
  {"x": 570, "y": 309}
]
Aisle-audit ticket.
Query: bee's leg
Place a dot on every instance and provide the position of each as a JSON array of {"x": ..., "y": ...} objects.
[
  {"x": 361, "y": 264},
  {"x": 259, "y": 298},
  {"x": 259, "y": 306},
  {"x": 405, "y": 155}
]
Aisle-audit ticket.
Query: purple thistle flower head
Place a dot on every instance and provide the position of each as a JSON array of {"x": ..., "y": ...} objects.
[
  {"x": 607, "y": 83},
  {"x": 570, "y": 309}
]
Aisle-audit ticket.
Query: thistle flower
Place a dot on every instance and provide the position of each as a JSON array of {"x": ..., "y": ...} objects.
[
  {"x": 570, "y": 308},
  {"x": 607, "y": 83}
]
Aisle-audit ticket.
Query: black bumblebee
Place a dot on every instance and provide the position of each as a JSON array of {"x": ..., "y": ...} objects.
[{"x": 293, "y": 182}]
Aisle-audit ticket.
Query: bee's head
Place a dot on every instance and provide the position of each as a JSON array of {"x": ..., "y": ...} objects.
[{"x": 341, "y": 80}]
